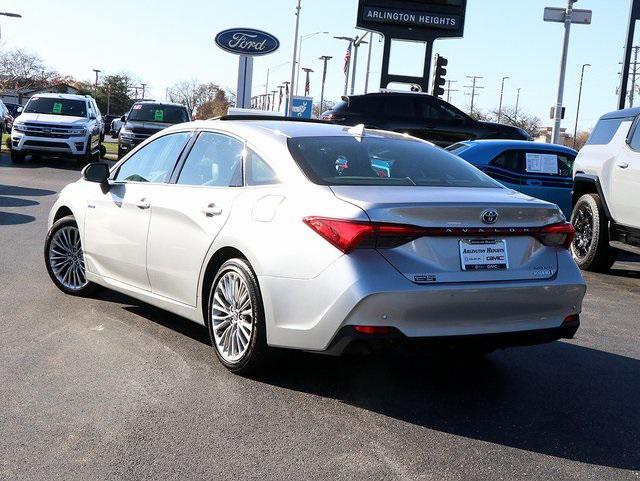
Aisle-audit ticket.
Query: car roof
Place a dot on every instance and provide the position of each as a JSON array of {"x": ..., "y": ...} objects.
[
  {"x": 500, "y": 145},
  {"x": 158, "y": 102},
  {"x": 621, "y": 114},
  {"x": 53, "y": 95}
]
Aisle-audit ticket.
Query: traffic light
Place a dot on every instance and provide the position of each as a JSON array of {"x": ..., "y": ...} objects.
[{"x": 439, "y": 73}]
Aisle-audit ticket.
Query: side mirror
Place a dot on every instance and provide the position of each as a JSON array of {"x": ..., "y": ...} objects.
[
  {"x": 123, "y": 118},
  {"x": 97, "y": 172},
  {"x": 19, "y": 109}
]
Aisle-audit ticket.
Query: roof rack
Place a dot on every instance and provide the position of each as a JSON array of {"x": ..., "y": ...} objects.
[{"x": 270, "y": 118}]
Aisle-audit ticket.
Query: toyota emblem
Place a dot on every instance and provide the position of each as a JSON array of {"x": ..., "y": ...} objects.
[{"x": 489, "y": 216}]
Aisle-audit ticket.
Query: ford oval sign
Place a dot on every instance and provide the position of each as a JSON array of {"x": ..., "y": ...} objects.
[{"x": 247, "y": 41}]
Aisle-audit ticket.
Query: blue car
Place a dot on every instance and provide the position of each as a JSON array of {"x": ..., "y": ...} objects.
[{"x": 544, "y": 171}]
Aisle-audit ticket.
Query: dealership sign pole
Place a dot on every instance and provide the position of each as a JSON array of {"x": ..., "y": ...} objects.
[
  {"x": 246, "y": 43},
  {"x": 414, "y": 20}
]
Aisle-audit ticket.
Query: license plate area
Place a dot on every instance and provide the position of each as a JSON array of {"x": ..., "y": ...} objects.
[{"x": 483, "y": 254}]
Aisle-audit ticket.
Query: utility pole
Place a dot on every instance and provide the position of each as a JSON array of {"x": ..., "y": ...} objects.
[
  {"x": 575, "y": 130},
  {"x": 634, "y": 75},
  {"x": 95, "y": 86},
  {"x": 144, "y": 86},
  {"x": 474, "y": 86},
  {"x": 325, "y": 59},
  {"x": 449, "y": 89},
  {"x": 501, "y": 96},
  {"x": 515, "y": 115},
  {"x": 293, "y": 61}
]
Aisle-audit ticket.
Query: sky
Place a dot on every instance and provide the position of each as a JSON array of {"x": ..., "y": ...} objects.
[{"x": 161, "y": 42}]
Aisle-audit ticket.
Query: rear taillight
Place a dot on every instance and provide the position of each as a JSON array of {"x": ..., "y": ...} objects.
[
  {"x": 558, "y": 235},
  {"x": 348, "y": 235}
]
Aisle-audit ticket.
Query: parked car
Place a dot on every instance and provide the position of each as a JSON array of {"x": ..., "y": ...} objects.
[
  {"x": 6, "y": 119},
  {"x": 540, "y": 170},
  {"x": 147, "y": 118},
  {"x": 59, "y": 125},
  {"x": 13, "y": 108},
  {"x": 606, "y": 198},
  {"x": 249, "y": 227},
  {"x": 420, "y": 115},
  {"x": 116, "y": 126}
]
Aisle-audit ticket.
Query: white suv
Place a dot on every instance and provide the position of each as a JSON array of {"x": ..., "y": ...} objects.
[
  {"x": 58, "y": 124},
  {"x": 606, "y": 197}
]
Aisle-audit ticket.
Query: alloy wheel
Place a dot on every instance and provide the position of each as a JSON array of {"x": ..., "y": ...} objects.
[
  {"x": 583, "y": 223},
  {"x": 232, "y": 317},
  {"x": 66, "y": 258}
]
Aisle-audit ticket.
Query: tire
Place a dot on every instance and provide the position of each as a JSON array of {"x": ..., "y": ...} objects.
[
  {"x": 227, "y": 342},
  {"x": 120, "y": 154},
  {"x": 590, "y": 248},
  {"x": 17, "y": 157},
  {"x": 63, "y": 240}
]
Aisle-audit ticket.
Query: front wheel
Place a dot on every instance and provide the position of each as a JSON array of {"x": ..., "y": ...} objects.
[
  {"x": 590, "y": 248},
  {"x": 64, "y": 258},
  {"x": 17, "y": 157},
  {"x": 236, "y": 318}
]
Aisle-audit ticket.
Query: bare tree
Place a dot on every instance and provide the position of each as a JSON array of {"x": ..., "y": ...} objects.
[
  {"x": 205, "y": 100},
  {"x": 20, "y": 69}
]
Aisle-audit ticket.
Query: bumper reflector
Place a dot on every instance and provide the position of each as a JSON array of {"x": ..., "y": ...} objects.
[{"x": 372, "y": 329}]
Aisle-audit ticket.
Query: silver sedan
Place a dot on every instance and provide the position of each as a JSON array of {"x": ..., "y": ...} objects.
[{"x": 303, "y": 235}]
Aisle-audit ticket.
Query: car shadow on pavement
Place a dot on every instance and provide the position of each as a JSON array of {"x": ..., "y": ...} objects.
[
  {"x": 11, "y": 196},
  {"x": 11, "y": 218},
  {"x": 560, "y": 400}
]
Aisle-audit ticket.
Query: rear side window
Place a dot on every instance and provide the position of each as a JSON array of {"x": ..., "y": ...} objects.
[
  {"x": 605, "y": 130},
  {"x": 457, "y": 149},
  {"x": 535, "y": 163},
  {"x": 258, "y": 171},
  {"x": 383, "y": 161},
  {"x": 511, "y": 160},
  {"x": 399, "y": 107}
]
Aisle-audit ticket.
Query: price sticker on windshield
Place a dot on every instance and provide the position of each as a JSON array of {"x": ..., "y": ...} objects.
[
  {"x": 158, "y": 115},
  {"x": 57, "y": 108}
]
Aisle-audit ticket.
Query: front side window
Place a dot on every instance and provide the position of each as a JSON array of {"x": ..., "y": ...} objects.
[
  {"x": 215, "y": 161},
  {"x": 155, "y": 161},
  {"x": 604, "y": 131},
  {"x": 634, "y": 142},
  {"x": 399, "y": 107},
  {"x": 383, "y": 161},
  {"x": 56, "y": 106},
  {"x": 164, "y": 114}
]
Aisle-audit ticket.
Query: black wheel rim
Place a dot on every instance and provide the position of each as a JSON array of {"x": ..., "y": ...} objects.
[{"x": 583, "y": 223}]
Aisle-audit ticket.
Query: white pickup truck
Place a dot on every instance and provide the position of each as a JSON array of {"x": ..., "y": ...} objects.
[
  {"x": 606, "y": 196},
  {"x": 58, "y": 125}
]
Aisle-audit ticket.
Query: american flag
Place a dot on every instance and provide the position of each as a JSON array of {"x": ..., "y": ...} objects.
[
  {"x": 347, "y": 59},
  {"x": 280, "y": 99},
  {"x": 307, "y": 86}
]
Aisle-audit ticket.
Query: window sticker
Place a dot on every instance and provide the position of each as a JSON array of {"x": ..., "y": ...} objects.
[
  {"x": 57, "y": 108},
  {"x": 542, "y": 163},
  {"x": 158, "y": 115}
]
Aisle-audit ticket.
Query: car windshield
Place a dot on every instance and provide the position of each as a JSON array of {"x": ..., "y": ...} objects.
[
  {"x": 383, "y": 161},
  {"x": 165, "y": 114},
  {"x": 57, "y": 106}
]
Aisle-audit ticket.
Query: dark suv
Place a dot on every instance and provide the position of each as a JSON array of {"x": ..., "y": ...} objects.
[
  {"x": 147, "y": 118},
  {"x": 420, "y": 115}
]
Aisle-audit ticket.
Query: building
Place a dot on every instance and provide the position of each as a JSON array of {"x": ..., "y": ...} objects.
[{"x": 21, "y": 96}]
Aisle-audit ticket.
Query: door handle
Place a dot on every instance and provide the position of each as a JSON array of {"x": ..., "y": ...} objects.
[
  {"x": 143, "y": 203},
  {"x": 623, "y": 165},
  {"x": 211, "y": 210}
]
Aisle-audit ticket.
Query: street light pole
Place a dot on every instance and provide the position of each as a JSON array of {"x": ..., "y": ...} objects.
[
  {"x": 575, "y": 130},
  {"x": 356, "y": 45},
  {"x": 325, "y": 59},
  {"x": 366, "y": 79},
  {"x": 555, "y": 137},
  {"x": 9, "y": 14},
  {"x": 299, "y": 66},
  {"x": 95, "y": 87},
  {"x": 501, "y": 96},
  {"x": 347, "y": 68},
  {"x": 307, "y": 85},
  {"x": 295, "y": 57},
  {"x": 515, "y": 115}
]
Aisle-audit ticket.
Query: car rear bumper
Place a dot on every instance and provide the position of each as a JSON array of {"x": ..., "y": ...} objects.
[{"x": 362, "y": 289}]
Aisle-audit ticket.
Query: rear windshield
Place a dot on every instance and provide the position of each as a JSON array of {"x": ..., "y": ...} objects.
[
  {"x": 457, "y": 148},
  {"x": 47, "y": 105},
  {"x": 383, "y": 161},
  {"x": 165, "y": 114},
  {"x": 605, "y": 130}
]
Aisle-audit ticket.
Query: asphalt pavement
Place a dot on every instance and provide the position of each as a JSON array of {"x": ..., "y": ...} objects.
[{"x": 109, "y": 388}]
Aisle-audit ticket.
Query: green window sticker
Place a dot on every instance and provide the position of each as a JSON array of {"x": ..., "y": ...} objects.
[
  {"x": 158, "y": 115},
  {"x": 57, "y": 108}
]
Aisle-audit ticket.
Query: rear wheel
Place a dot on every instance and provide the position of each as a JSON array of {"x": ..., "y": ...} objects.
[
  {"x": 64, "y": 258},
  {"x": 236, "y": 318},
  {"x": 17, "y": 157},
  {"x": 590, "y": 248}
]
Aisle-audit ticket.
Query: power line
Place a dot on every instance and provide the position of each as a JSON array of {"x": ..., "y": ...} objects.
[
  {"x": 474, "y": 86},
  {"x": 449, "y": 89}
]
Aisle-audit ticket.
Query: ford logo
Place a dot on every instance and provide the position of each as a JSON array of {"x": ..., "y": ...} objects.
[
  {"x": 247, "y": 41},
  {"x": 489, "y": 216}
]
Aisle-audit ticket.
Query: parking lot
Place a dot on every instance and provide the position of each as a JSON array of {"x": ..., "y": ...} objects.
[{"x": 110, "y": 388}]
